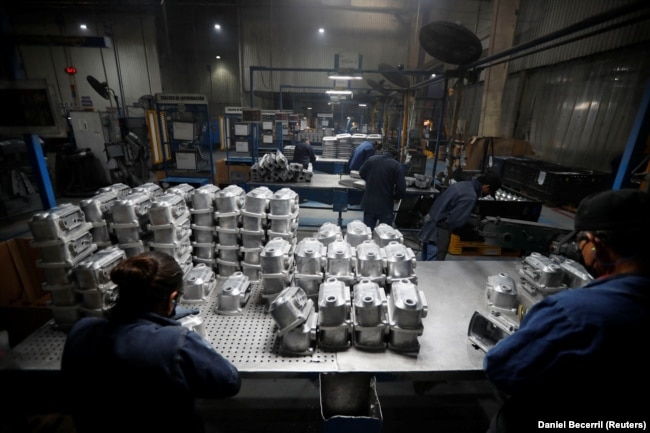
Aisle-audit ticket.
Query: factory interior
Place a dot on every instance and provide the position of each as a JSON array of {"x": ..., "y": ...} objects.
[{"x": 144, "y": 125}]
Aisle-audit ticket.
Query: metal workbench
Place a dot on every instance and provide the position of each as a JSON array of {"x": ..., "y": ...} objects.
[
  {"x": 453, "y": 291},
  {"x": 333, "y": 189}
]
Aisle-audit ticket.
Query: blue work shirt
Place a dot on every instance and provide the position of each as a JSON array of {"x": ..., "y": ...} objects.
[
  {"x": 304, "y": 154},
  {"x": 385, "y": 183},
  {"x": 365, "y": 150},
  {"x": 453, "y": 207},
  {"x": 578, "y": 354},
  {"x": 141, "y": 375}
]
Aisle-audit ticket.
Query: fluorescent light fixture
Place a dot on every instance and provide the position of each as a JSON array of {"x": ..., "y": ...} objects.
[
  {"x": 335, "y": 76},
  {"x": 338, "y": 92},
  {"x": 362, "y": 105},
  {"x": 83, "y": 27},
  {"x": 218, "y": 57},
  {"x": 309, "y": 108},
  {"x": 217, "y": 27},
  {"x": 321, "y": 30}
]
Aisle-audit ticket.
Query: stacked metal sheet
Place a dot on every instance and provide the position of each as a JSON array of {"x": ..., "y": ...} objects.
[
  {"x": 203, "y": 225},
  {"x": 357, "y": 139},
  {"x": 62, "y": 236},
  {"x": 329, "y": 147},
  {"x": 344, "y": 147}
]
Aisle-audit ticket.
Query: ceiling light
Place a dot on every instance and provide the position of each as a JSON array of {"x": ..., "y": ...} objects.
[
  {"x": 217, "y": 27},
  {"x": 321, "y": 30},
  {"x": 83, "y": 27},
  {"x": 339, "y": 92},
  {"x": 335, "y": 76},
  {"x": 218, "y": 57},
  {"x": 362, "y": 105}
]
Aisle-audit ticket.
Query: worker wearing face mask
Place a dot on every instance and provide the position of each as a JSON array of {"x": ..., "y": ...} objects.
[{"x": 579, "y": 355}]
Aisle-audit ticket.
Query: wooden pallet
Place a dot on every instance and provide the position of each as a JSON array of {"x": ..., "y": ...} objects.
[{"x": 466, "y": 248}]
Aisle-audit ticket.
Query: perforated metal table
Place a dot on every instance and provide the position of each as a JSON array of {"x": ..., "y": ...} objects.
[{"x": 453, "y": 291}]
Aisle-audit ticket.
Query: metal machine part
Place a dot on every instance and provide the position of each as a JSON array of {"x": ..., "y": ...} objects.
[
  {"x": 357, "y": 232},
  {"x": 369, "y": 315},
  {"x": 175, "y": 231},
  {"x": 284, "y": 202},
  {"x": 277, "y": 256},
  {"x": 134, "y": 208},
  {"x": 198, "y": 283},
  {"x": 371, "y": 262},
  {"x": 100, "y": 297},
  {"x": 120, "y": 189},
  {"x": 400, "y": 262},
  {"x": 407, "y": 307},
  {"x": 98, "y": 208},
  {"x": 501, "y": 292},
  {"x": 328, "y": 232},
  {"x": 542, "y": 273},
  {"x": 168, "y": 209},
  {"x": 575, "y": 275},
  {"x": 228, "y": 220},
  {"x": 290, "y": 309},
  {"x": 334, "y": 323},
  {"x": 203, "y": 197},
  {"x": 184, "y": 190},
  {"x": 68, "y": 247},
  {"x": 257, "y": 200},
  {"x": 487, "y": 330},
  {"x": 233, "y": 295},
  {"x": 283, "y": 223},
  {"x": 300, "y": 340},
  {"x": 56, "y": 223},
  {"x": 384, "y": 234},
  {"x": 253, "y": 221},
  {"x": 150, "y": 189},
  {"x": 310, "y": 259},
  {"x": 95, "y": 271},
  {"x": 341, "y": 261},
  {"x": 193, "y": 322},
  {"x": 229, "y": 199}
]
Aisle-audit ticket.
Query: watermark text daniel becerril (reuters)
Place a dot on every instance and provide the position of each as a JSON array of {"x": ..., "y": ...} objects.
[{"x": 595, "y": 425}]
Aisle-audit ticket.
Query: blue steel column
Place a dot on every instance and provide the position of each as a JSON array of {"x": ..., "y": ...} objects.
[
  {"x": 35, "y": 152},
  {"x": 635, "y": 143}
]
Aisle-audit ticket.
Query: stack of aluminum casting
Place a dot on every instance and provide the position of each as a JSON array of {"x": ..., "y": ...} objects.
[
  {"x": 328, "y": 232},
  {"x": 296, "y": 318},
  {"x": 233, "y": 295},
  {"x": 277, "y": 267},
  {"x": 98, "y": 211},
  {"x": 130, "y": 222},
  {"x": 198, "y": 283},
  {"x": 369, "y": 315},
  {"x": 203, "y": 225},
  {"x": 283, "y": 214},
  {"x": 228, "y": 203},
  {"x": 275, "y": 167},
  {"x": 254, "y": 224},
  {"x": 407, "y": 307},
  {"x": 383, "y": 234},
  {"x": 334, "y": 322},
  {"x": 310, "y": 257},
  {"x": 63, "y": 237},
  {"x": 185, "y": 190},
  {"x": 357, "y": 139},
  {"x": 341, "y": 261},
  {"x": 357, "y": 232},
  {"x": 93, "y": 279},
  {"x": 400, "y": 263},
  {"x": 371, "y": 262},
  {"x": 508, "y": 300},
  {"x": 169, "y": 220}
]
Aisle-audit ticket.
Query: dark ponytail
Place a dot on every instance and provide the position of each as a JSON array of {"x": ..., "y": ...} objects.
[{"x": 146, "y": 281}]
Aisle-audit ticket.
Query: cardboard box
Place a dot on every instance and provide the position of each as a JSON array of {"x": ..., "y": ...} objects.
[
  {"x": 238, "y": 173},
  {"x": 22, "y": 279},
  {"x": 349, "y": 403},
  {"x": 220, "y": 172}
]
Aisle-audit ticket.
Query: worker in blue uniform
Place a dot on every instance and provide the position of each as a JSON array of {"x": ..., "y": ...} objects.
[
  {"x": 451, "y": 210},
  {"x": 139, "y": 369},
  {"x": 364, "y": 150},
  {"x": 385, "y": 183},
  {"x": 304, "y": 153},
  {"x": 580, "y": 355}
]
